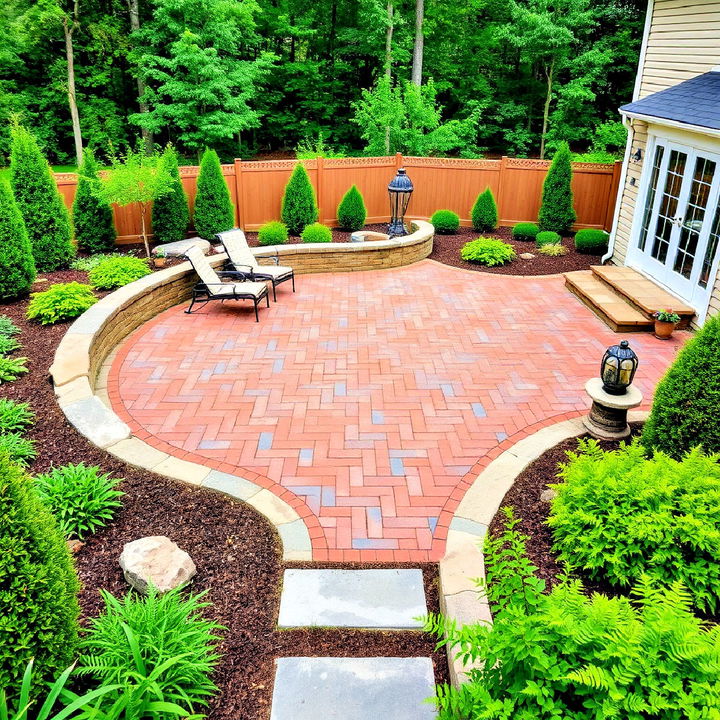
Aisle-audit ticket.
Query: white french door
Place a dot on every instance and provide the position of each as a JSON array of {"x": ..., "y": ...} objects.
[{"x": 677, "y": 236}]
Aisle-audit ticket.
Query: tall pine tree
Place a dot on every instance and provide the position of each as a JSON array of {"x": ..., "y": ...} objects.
[
  {"x": 170, "y": 214},
  {"x": 298, "y": 203},
  {"x": 92, "y": 216},
  {"x": 557, "y": 212},
  {"x": 213, "y": 207},
  {"x": 17, "y": 268}
]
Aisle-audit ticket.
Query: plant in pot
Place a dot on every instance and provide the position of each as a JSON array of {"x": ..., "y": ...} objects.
[
  {"x": 160, "y": 258},
  {"x": 665, "y": 322}
]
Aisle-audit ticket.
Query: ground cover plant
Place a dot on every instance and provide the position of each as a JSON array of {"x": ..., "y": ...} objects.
[
  {"x": 484, "y": 212},
  {"x": 11, "y": 368},
  {"x": 17, "y": 447},
  {"x": 14, "y": 416},
  {"x": 17, "y": 267},
  {"x": 589, "y": 240},
  {"x": 298, "y": 207},
  {"x": 114, "y": 272},
  {"x": 553, "y": 250},
  {"x": 488, "y": 251},
  {"x": 445, "y": 221},
  {"x": 316, "y": 233},
  {"x": 351, "y": 211},
  {"x": 63, "y": 301},
  {"x": 92, "y": 216},
  {"x": 273, "y": 233},
  {"x": 525, "y": 231}
]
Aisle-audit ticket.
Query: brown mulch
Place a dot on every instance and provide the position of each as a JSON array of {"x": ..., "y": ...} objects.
[
  {"x": 235, "y": 549},
  {"x": 339, "y": 236}
]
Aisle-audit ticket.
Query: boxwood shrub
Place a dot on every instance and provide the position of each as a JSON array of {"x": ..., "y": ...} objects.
[
  {"x": 484, "y": 212},
  {"x": 115, "y": 272},
  {"x": 547, "y": 237},
  {"x": 591, "y": 241},
  {"x": 525, "y": 231},
  {"x": 487, "y": 251},
  {"x": 316, "y": 233},
  {"x": 445, "y": 222},
  {"x": 273, "y": 233},
  {"x": 63, "y": 301}
]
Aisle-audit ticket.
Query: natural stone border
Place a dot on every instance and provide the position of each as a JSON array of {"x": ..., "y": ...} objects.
[{"x": 463, "y": 561}]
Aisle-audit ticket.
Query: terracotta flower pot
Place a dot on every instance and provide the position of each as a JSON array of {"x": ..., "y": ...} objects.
[
  {"x": 663, "y": 330},
  {"x": 159, "y": 262}
]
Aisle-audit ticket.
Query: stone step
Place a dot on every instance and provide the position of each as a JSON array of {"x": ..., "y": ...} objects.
[
  {"x": 385, "y": 598},
  {"x": 325, "y": 688}
]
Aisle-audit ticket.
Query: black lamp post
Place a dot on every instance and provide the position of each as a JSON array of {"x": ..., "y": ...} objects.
[
  {"x": 617, "y": 368},
  {"x": 400, "y": 189}
]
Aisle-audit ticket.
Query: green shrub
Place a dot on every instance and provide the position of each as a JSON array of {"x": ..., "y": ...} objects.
[
  {"x": 525, "y": 231},
  {"x": 12, "y": 368},
  {"x": 15, "y": 416},
  {"x": 92, "y": 216},
  {"x": 170, "y": 214},
  {"x": 445, "y": 222},
  {"x": 63, "y": 301},
  {"x": 38, "y": 586},
  {"x": 686, "y": 406},
  {"x": 137, "y": 634},
  {"x": 18, "y": 448},
  {"x": 273, "y": 233},
  {"x": 351, "y": 211},
  {"x": 116, "y": 272},
  {"x": 82, "y": 499},
  {"x": 17, "y": 267},
  {"x": 619, "y": 515},
  {"x": 298, "y": 203},
  {"x": 484, "y": 212},
  {"x": 316, "y": 233},
  {"x": 8, "y": 327},
  {"x": 592, "y": 242},
  {"x": 556, "y": 209},
  {"x": 86, "y": 264},
  {"x": 214, "y": 211},
  {"x": 553, "y": 250},
  {"x": 487, "y": 251},
  {"x": 547, "y": 237},
  {"x": 566, "y": 655},
  {"x": 46, "y": 218}
]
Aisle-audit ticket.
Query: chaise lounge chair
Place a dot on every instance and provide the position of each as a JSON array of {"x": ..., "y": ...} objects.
[
  {"x": 241, "y": 258},
  {"x": 211, "y": 286}
]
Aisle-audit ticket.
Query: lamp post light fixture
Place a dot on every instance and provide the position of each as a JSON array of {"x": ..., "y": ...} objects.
[
  {"x": 400, "y": 189},
  {"x": 617, "y": 368}
]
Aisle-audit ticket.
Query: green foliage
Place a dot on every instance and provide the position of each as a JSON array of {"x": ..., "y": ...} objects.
[
  {"x": 170, "y": 214},
  {"x": 213, "y": 208},
  {"x": 298, "y": 202},
  {"x": 15, "y": 416},
  {"x": 92, "y": 216},
  {"x": 62, "y": 301},
  {"x": 12, "y": 368},
  {"x": 351, "y": 211},
  {"x": 42, "y": 208},
  {"x": 596, "y": 156},
  {"x": 445, "y": 222},
  {"x": 553, "y": 250},
  {"x": 18, "y": 448},
  {"x": 667, "y": 315},
  {"x": 566, "y": 655},
  {"x": 547, "y": 237},
  {"x": 38, "y": 586},
  {"x": 686, "y": 405},
  {"x": 591, "y": 241},
  {"x": 8, "y": 344},
  {"x": 484, "y": 212},
  {"x": 115, "y": 272},
  {"x": 273, "y": 233},
  {"x": 488, "y": 251},
  {"x": 17, "y": 267},
  {"x": 309, "y": 149},
  {"x": 85, "y": 264},
  {"x": 525, "y": 231},
  {"x": 556, "y": 211},
  {"x": 7, "y": 327},
  {"x": 316, "y": 233}
]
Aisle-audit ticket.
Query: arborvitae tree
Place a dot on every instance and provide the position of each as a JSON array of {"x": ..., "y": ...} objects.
[
  {"x": 92, "y": 216},
  {"x": 557, "y": 212},
  {"x": 38, "y": 585},
  {"x": 47, "y": 220},
  {"x": 687, "y": 400},
  {"x": 351, "y": 212},
  {"x": 17, "y": 268},
  {"x": 213, "y": 208},
  {"x": 298, "y": 203},
  {"x": 484, "y": 212},
  {"x": 170, "y": 214}
]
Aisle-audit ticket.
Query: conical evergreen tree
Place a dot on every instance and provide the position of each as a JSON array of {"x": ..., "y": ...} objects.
[
  {"x": 17, "y": 267},
  {"x": 298, "y": 203},
  {"x": 484, "y": 212},
  {"x": 351, "y": 212},
  {"x": 557, "y": 212},
  {"x": 170, "y": 214},
  {"x": 213, "y": 208},
  {"x": 92, "y": 216},
  {"x": 47, "y": 220}
]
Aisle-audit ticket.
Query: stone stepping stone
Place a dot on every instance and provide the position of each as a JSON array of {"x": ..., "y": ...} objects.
[
  {"x": 353, "y": 689},
  {"x": 180, "y": 247},
  {"x": 352, "y": 598}
]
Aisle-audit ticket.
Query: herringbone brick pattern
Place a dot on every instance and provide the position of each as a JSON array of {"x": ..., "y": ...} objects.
[{"x": 369, "y": 400}]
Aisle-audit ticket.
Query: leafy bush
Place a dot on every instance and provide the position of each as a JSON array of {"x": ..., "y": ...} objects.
[
  {"x": 619, "y": 515},
  {"x": 136, "y": 635},
  {"x": 686, "y": 406},
  {"x": 82, "y": 499},
  {"x": 567, "y": 655},
  {"x": 213, "y": 208},
  {"x": 115, "y": 272},
  {"x": 8, "y": 327},
  {"x": 38, "y": 586},
  {"x": 547, "y": 237},
  {"x": 316, "y": 233},
  {"x": 351, "y": 211},
  {"x": 298, "y": 203},
  {"x": 8, "y": 344},
  {"x": 86, "y": 264},
  {"x": 488, "y": 251},
  {"x": 63, "y": 301},
  {"x": 445, "y": 222},
  {"x": 92, "y": 216},
  {"x": 17, "y": 267},
  {"x": 553, "y": 250},
  {"x": 12, "y": 368},
  {"x": 556, "y": 209},
  {"x": 18, "y": 448},
  {"x": 170, "y": 214},
  {"x": 15, "y": 416},
  {"x": 273, "y": 233},
  {"x": 484, "y": 212},
  {"x": 592, "y": 242},
  {"x": 525, "y": 231}
]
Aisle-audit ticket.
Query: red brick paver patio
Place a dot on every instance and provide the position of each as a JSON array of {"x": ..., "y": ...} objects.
[{"x": 369, "y": 401}]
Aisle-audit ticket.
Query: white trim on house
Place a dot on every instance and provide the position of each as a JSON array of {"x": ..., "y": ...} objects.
[
  {"x": 652, "y": 120},
  {"x": 643, "y": 49}
]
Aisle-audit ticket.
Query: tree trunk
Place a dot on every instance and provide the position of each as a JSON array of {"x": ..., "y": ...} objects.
[
  {"x": 143, "y": 210},
  {"x": 417, "y": 65},
  {"x": 148, "y": 140},
  {"x": 388, "y": 60},
  {"x": 69, "y": 28},
  {"x": 546, "y": 110}
]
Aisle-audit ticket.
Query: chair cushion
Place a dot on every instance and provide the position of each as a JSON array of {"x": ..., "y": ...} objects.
[
  {"x": 256, "y": 289},
  {"x": 273, "y": 271}
]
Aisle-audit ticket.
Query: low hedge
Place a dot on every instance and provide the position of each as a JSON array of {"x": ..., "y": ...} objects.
[
  {"x": 445, "y": 222},
  {"x": 525, "y": 231},
  {"x": 547, "y": 237},
  {"x": 591, "y": 242},
  {"x": 273, "y": 233}
]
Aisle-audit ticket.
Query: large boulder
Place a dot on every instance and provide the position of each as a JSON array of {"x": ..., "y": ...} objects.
[
  {"x": 180, "y": 247},
  {"x": 157, "y": 561}
]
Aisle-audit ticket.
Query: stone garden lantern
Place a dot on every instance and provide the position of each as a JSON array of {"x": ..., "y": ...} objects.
[{"x": 400, "y": 189}]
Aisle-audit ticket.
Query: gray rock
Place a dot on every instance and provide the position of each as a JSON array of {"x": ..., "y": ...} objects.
[
  {"x": 180, "y": 247},
  {"x": 527, "y": 256},
  {"x": 157, "y": 561},
  {"x": 548, "y": 495},
  {"x": 357, "y": 237}
]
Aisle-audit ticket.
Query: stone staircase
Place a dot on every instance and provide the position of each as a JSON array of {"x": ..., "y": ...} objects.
[{"x": 623, "y": 298}]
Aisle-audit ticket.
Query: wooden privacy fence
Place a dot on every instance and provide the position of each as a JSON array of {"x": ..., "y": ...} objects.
[{"x": 256, "y": 188}]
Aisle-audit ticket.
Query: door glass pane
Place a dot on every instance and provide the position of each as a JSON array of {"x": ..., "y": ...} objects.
[
  {"x": 712, "y": 247},
  {"x": 694, "y": 216},
  {"x": 668, "y": 205},
  {"x": 651, "y": 193}
]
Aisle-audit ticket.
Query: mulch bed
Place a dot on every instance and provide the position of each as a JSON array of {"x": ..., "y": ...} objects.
[{"x": 236, "y": 551}]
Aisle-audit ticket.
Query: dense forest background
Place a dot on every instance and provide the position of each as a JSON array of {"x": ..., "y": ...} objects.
[{"x": 446, "y": 77}]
